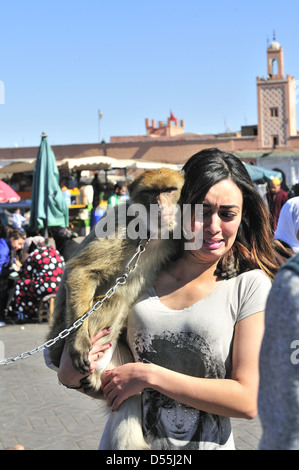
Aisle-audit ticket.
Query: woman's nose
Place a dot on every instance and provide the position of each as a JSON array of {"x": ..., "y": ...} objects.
[{"x": 212, "y": 225}]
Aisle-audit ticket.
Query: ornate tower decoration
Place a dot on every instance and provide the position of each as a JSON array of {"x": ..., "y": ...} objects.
[
  {"x": 276, "y": 98},
  {"x": 169, "y": 129}
]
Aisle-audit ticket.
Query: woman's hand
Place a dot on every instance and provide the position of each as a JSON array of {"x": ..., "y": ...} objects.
[
  {"x": 123, "y": 382},
  {"x": 68, "y": 375}
]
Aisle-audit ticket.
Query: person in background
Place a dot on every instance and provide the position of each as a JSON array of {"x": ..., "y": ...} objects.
[
  {"x": 9, "y": 245},
  {"x": 123, "y": 193},
  {"x": 278, "y": 401},
  {"x": 64, "y": 242},
  {"x": 97, "y": 189},
  {"x": 18, "y": 220},
  {"x": 119, "y": 192},
  {"x": 276, "y": 197},
  {"x": 287, "y": 230},
  {"x": 40, "y": 275}
]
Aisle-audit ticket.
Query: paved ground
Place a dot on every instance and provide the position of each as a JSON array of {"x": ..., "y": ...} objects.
[{"x": 41, "y": 415}]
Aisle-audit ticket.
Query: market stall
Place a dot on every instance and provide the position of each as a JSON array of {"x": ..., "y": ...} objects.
[{"x": 77, "y": 181}]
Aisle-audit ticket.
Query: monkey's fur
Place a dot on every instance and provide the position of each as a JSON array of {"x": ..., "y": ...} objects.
[{"x": 89, "y": 274}]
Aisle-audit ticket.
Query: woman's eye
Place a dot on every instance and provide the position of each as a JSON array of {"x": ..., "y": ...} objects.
[{"x": 228, "y": 215}]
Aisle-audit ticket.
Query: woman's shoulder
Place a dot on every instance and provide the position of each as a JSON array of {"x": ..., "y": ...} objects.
[
  {"x": 254, "y": 274},
  {"x": 255, "y": 278},
  {"x": 4, "y": 243},
  {"x": 252, "y": 289}
]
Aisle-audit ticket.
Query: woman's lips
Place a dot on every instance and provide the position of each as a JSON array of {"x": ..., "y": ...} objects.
[{"x": 213, "y": 244}]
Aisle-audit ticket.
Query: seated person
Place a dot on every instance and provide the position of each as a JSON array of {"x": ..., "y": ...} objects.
[{"x": 40, "y": 275}]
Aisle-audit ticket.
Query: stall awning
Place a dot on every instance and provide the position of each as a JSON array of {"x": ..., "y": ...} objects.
[
  {"x": 89, "y": 163},
  {"x": 108, "y": 163},
  {"x": 96, "y": 163},
  {"x": 258, "y": 173},
  {"x": 18, "y": 167}
]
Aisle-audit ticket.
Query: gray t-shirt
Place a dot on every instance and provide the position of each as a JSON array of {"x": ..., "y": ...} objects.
[
  {"x": 279, "y": 363},
  {"x": 196, "y": 341}
]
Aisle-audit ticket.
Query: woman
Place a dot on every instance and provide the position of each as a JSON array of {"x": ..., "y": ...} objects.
[
  {"x": 40, "y": 276},
  {"x": 10, "y": 244},
  {"x": 209, "y": 305}
]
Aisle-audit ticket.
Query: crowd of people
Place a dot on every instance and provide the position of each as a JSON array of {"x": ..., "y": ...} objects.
[
  {"x": 30, "y": 269},
  {"x": 227, "y": 311}
]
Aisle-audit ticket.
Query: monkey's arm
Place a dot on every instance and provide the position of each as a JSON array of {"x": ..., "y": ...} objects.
[{"x": 90, "y": 274}]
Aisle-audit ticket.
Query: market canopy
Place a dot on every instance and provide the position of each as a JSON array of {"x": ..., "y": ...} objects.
[
  {"x": 259, "y": 173},
  {"x": 108, "y": 163},
  {"x": 96, "y": 163},
  {"x": 153, "y": 165},
  {"x": 87, "y": 163},
  {"x": 18, "y": 167}
]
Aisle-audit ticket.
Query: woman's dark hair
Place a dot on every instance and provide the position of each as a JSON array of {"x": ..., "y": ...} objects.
[
  {"x": 253, "y": 248},
  {"x": 15, "y": 234}
]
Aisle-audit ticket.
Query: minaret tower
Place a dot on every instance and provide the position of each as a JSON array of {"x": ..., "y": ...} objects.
[{"x": 276, "y": 98}]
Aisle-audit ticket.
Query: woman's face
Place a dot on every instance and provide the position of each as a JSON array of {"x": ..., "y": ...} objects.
[
  {"x": 222, "y": 214},
  {"x": 17, "y": 244},
  {"x": 180, "y": 422}
]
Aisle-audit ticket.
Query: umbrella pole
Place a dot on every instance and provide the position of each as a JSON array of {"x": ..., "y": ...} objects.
[{"x": 46, "y": 233}]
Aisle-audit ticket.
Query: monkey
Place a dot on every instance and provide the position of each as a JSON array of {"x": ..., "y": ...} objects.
[{"x": 92, "y": 271}]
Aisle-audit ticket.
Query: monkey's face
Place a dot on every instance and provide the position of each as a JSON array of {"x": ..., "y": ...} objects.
[{"x": 158, "y": 191}]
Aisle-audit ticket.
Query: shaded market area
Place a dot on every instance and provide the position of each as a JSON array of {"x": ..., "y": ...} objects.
[
  {"x": 45, "y": 205},
  {"x": 59, "y": 201}
]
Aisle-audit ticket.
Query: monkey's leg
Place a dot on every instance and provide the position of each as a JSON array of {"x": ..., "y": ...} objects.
[
  {"x": 80, "y": 292},
  {"x": 79, "y": 345},
  {"x": 124, "y": 427}
]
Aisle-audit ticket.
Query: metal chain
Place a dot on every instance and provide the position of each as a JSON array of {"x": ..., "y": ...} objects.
[{"x": 63, "y": 334}]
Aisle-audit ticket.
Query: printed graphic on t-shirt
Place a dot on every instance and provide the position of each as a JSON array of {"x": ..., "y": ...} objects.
[{"x": 167, "y": 423}]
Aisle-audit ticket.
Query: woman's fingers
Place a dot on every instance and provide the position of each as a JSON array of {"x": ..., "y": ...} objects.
[
  {"x": 100, "y": 335},
  {"x": 98, "y": 351}
]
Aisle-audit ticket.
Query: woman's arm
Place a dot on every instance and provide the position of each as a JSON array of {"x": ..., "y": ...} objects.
[{"x": 235, "y": 397}]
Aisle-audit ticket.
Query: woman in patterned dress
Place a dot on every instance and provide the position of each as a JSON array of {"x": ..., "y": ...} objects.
[{"x": 40, "y": 275}]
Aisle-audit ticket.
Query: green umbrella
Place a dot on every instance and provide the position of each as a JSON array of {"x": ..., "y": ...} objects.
[{"x": 48, "y": 206}]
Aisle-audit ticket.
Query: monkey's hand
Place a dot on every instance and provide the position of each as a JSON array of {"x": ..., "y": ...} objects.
[{"x": 79, "y": 352}]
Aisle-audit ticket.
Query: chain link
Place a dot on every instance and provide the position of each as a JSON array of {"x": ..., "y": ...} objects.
[{"x": 63, "y": 334}]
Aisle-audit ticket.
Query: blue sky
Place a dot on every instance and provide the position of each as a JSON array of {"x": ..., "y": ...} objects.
[{"x": 63, "y": 61}]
